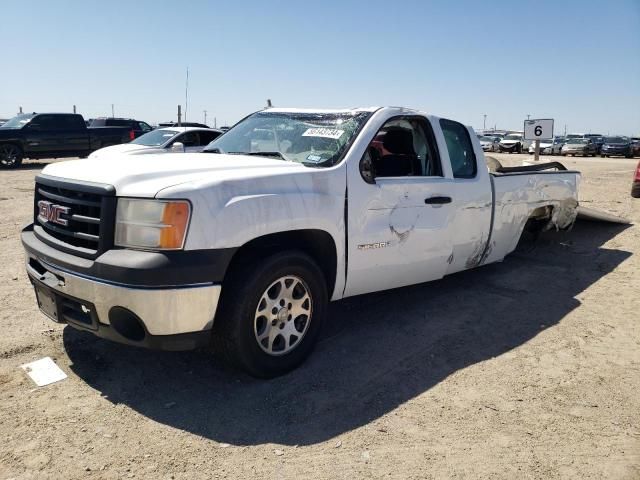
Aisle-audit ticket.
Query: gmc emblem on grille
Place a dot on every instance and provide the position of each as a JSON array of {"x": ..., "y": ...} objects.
[{"x": 48, "y": 212}]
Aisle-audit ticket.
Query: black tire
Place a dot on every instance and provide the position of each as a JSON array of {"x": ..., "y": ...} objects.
[
  {"x": 10, "y": 155},
  {"x": 235, "y": 329},
  {"x": 635, "y": 190}
]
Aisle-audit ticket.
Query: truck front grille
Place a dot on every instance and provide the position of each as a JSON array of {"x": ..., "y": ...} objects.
[{"x": 77, "y": 218}]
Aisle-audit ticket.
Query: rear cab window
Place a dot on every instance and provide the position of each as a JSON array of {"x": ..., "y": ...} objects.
[{"x": 461, "y": 154}]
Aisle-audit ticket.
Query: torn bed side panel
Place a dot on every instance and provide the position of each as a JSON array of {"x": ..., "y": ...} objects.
[
  {"x": 563, "y": 214},
  {"x": 591, "y": 214},
  {"x": 521, "y": 197}
]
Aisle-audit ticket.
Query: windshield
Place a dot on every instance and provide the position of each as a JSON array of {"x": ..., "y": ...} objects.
[
  {"x": 579, "y": 141},
  {"x": 155, "y": 138},
  {"x": 314, "y": 139},
  {"x": 18, "y": 121},
  {"x": 512, "y": 137},
  {"x": 487, "y": 139},
  {"x": 615, "y": 140}
]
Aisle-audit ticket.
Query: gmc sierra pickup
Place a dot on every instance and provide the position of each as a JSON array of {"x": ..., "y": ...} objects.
[
  {"x": 241, "y": 247},
  {"x": 54, "y": 135}
]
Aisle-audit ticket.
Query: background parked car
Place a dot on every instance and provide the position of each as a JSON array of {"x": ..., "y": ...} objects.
[
  {"x": 616, "y": 146},
  {"x": 579, "y": 146},
  {"x": 597, "y": 138},
  {"x": 635, "y": 186},
  {"x": 545, "y": 147},
  {"x": 183, "y": 124},
  {"x": 137, "y": 127},
  {"x": 635, "y": 146},
  {"x": 490, "y": 144},
  {"x": 511, "y": 143},
  {"x": 556, "y": 148},
  {"x": 163, "y": 140}
]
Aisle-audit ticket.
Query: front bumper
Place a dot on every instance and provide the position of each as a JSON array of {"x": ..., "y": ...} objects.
[
  {"x": 615, "y": 151},
  {"x": 508, "y": 148},
  {"x": 169, "y": 317}
]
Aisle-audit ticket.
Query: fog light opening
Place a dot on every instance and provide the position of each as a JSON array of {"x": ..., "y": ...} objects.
[{"x": 127, "y": 324}]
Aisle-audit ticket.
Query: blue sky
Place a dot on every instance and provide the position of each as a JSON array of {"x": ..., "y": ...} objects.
[{"x": 575, "y": 61}]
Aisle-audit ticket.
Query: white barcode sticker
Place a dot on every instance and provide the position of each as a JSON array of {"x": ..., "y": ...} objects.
[{"x": 323, "y": 132}]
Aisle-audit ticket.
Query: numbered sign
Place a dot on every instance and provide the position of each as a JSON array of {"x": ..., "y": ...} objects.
[{"x": 540, "y": 129}]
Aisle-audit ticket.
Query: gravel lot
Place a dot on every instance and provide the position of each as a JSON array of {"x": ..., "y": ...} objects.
[{"x": 525, "y": 369}]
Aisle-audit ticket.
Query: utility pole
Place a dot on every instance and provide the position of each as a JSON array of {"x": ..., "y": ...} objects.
[
  {"x": 484, "y": 123},
  {"x": 20, "y": 110},
  {"x": 179, "y": 115},
  {"x": 205, "y": 117},
  {"x": 112, "y": 110},
  {"x": 269, "y": 104},
  {"x": 74, "y": 109},
  {"x": 215, "y": 122},
  {"x": 528, "y": 115},
  {"x": 186, "y": 96}
]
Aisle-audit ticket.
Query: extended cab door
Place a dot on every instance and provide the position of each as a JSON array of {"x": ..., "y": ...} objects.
[
  {"x": 470, "y": 224},
  {"x": 400, "y": 207}
]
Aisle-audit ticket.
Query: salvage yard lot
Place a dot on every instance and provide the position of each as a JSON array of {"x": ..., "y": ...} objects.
[{"x": 525, "y": 369}]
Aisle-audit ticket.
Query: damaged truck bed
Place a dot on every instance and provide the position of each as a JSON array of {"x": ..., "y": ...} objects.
[{"x": 243, "y": 245}]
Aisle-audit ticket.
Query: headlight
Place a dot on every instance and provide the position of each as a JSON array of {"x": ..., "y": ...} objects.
[{"x": 152, "y": 224}]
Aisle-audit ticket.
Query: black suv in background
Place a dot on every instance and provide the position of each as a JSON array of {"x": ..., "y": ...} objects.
[{"x": 137, "y": 127}]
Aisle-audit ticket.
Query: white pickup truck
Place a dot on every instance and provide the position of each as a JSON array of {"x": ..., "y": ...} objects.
[{"x": 242, "y": 246}]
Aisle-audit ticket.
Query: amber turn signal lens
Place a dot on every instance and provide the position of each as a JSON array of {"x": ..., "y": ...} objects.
[{"x": 175, "y": 219}]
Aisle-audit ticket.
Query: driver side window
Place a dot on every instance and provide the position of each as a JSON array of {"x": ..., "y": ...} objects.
[{"x": 404, "y": 147}]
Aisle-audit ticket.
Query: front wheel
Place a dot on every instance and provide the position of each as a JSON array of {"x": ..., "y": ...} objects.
[
  {"x": 271, "y": 314},
  {"x": 10, "y": 155}
]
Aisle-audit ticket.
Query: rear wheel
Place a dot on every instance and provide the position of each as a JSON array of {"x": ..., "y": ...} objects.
[
  {"x": 271, "y": 313},
  {"x": 10, "y": 155}
]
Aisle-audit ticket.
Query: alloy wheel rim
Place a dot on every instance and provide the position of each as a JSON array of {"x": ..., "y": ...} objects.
[
  {"x": 283, "y": 315},
  {"x": 8, "y": 155}
]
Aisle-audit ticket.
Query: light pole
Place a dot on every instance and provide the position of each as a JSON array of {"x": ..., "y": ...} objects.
[
  {"x": 528, "y": 115},
  {"x": 484, "y": 123},
  {"x": 205, "y": 117}
]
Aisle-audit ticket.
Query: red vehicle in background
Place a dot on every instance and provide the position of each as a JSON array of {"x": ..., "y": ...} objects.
[{"x": 635, "y": 186}]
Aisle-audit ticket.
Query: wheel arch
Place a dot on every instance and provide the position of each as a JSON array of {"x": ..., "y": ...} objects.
[{"x": 318, "y": 244}]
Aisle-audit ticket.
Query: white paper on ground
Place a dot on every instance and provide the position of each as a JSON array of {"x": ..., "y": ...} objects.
[{"x": 44, "y": 371}]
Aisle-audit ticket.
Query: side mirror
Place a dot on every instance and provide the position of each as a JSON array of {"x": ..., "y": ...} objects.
[
  {"x": 367, "y": 170},
  {"x": 177, "y": 147}
]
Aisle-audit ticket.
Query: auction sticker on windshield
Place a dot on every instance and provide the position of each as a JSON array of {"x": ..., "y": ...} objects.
[{"x": 323, "y": 132}]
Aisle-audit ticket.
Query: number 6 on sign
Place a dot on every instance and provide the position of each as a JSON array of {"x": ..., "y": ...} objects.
[{"x": 540, "y": 129}]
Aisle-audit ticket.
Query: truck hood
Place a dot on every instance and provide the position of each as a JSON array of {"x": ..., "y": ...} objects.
[
  {"x": 128, "y": 148},
  {"x": 146, "y": 175}
]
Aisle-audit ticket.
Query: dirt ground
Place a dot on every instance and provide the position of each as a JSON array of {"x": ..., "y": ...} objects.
[{"x": 525, "y": 369}]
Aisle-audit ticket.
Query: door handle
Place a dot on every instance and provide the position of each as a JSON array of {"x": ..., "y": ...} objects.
[{"x": 437, "y": 200}]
